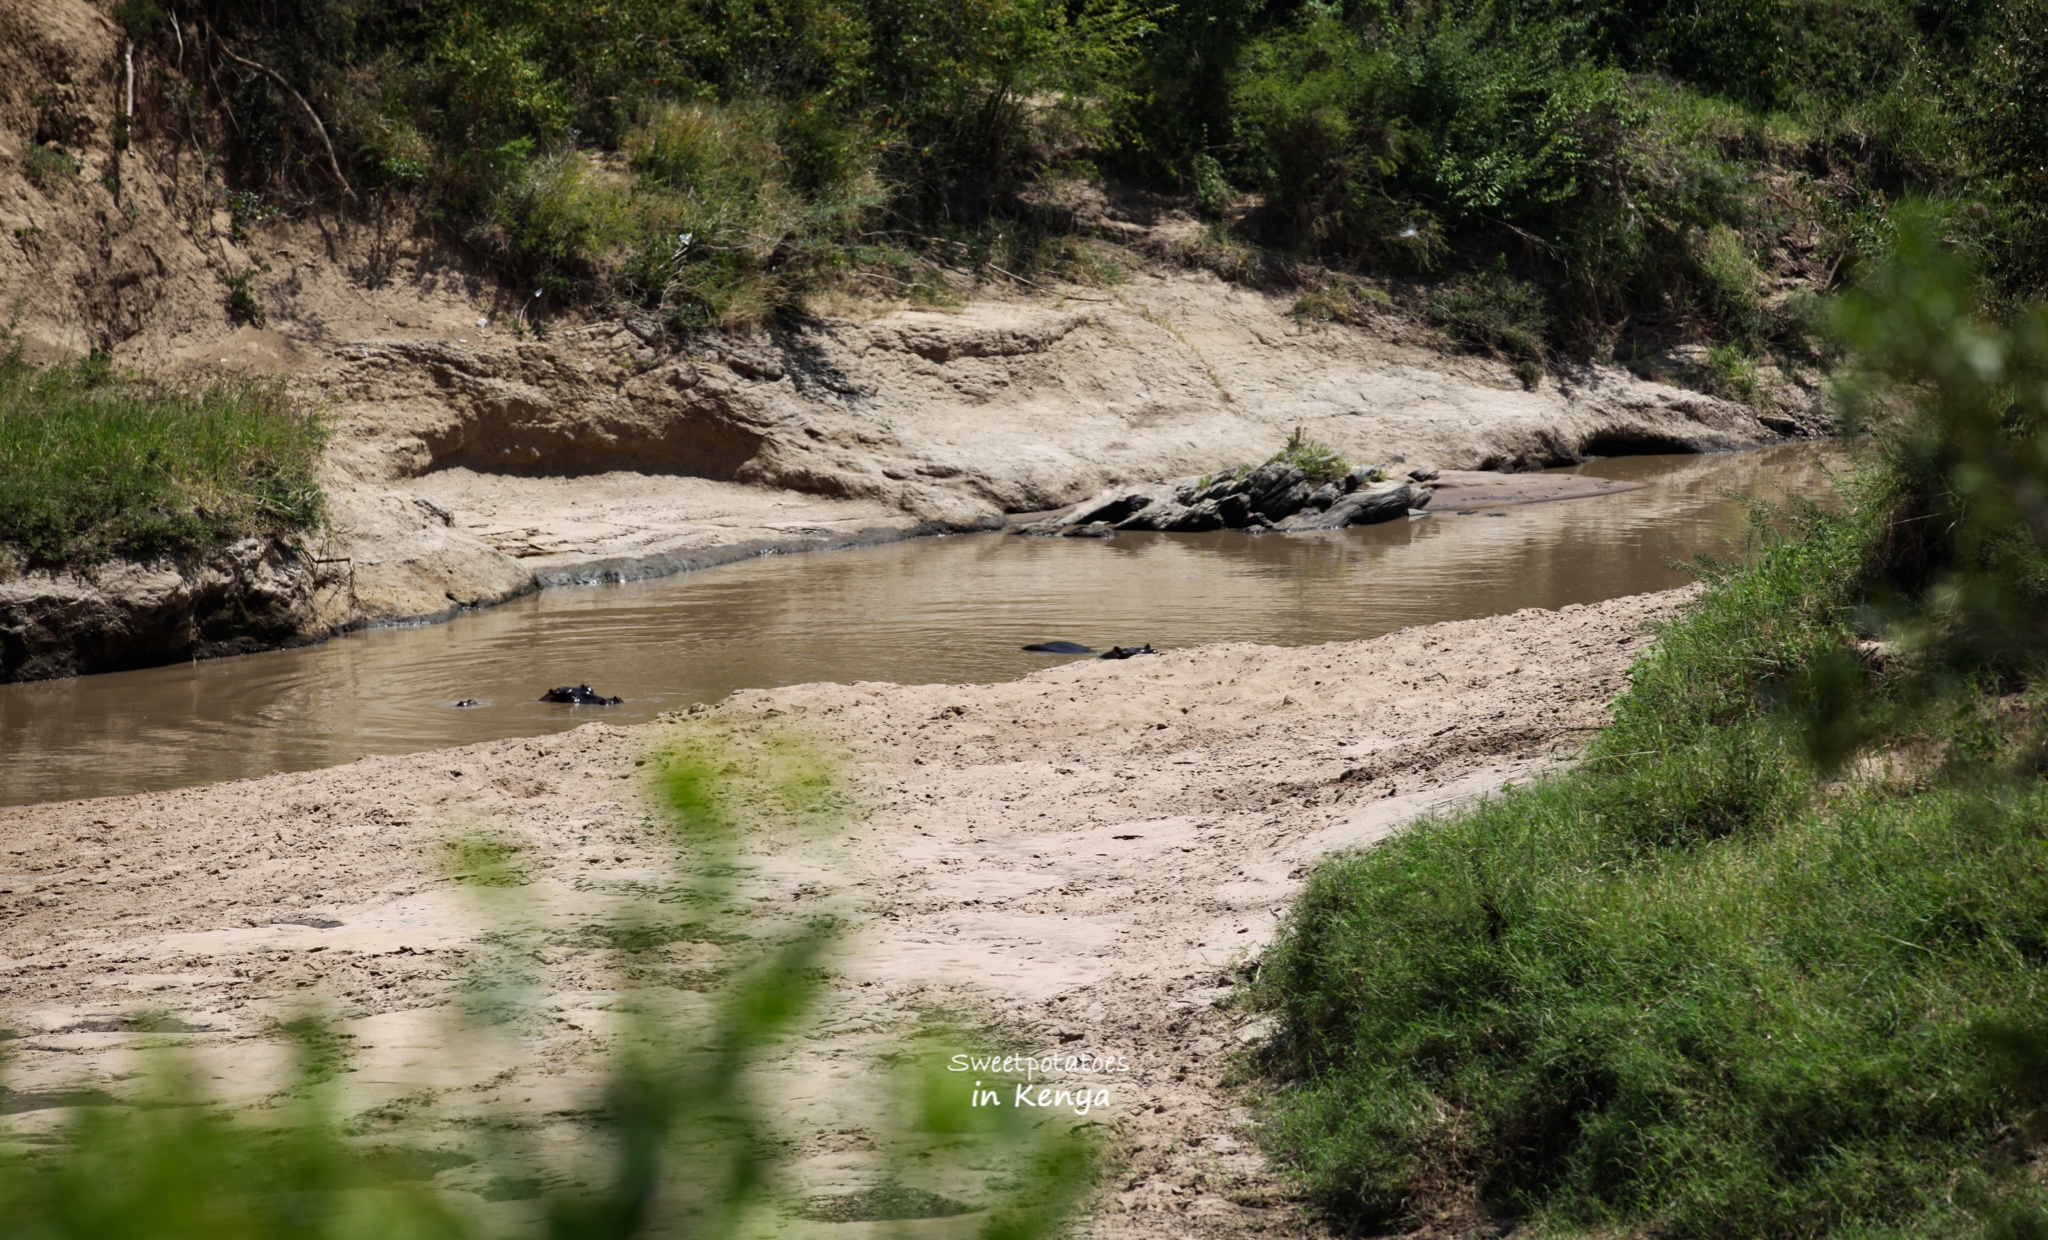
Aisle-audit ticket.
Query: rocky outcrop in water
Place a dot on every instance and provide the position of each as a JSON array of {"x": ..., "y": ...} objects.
[
  {"x": 1275, "y": 496},
  {"x": 253, "y": 595}
]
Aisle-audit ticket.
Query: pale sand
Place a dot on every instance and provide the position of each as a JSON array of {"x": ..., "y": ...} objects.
[{"x": 1083, "y": 854}]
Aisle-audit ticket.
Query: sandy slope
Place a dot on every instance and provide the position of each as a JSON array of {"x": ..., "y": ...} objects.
[{"x": 1079, "y": 854}]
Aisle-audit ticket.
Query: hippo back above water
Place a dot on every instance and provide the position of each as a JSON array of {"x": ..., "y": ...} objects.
[{"x": 581, "y": 695}]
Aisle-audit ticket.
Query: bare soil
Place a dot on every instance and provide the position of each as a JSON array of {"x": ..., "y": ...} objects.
[{"x": 1080, "y": 857}]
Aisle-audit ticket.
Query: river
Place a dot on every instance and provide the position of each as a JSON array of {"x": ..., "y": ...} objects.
[{"x": 924, "y": 611}]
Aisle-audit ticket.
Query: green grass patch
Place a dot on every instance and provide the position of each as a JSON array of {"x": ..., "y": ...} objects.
[
  {"x": 95, "y": 464},
  {"x": 1771, "y": 961},
  {"x": 1690, "y": 987}
]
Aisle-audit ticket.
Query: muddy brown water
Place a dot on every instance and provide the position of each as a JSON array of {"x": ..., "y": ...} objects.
[{"x": 942, "y": 610}]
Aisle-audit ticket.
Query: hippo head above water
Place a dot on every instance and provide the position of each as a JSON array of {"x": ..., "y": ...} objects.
[{"x": 581, "y": 695}]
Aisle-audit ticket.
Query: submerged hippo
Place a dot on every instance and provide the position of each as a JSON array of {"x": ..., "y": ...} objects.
[
  {"x": 1125, "y": 652},
  {"x": 1059, "y": 648},
  {"x": 581, "y": 695}
]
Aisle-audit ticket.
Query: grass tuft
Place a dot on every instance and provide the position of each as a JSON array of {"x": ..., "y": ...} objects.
[
  {"x": 1318, "y": 460},
  {"x": 95, "y": 464}
]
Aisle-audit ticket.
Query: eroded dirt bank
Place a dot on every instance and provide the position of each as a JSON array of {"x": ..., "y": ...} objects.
[
  {"x": 1082, "y": 854},
  {"x": 468, "y": 470}
]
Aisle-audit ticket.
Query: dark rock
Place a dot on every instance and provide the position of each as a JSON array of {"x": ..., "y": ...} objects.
[
  {"x": 581, "y": 695},
  {"x": 1382, "y": 501},
  {"x": 1201, "y": 517},
  {"x": 1423, "y": 473},
  {"x": 1323, "y": 496},
  {"x": 1110, "y": 511},
  {"x": 1095, "y": 529},
  {"x": 1236, "y": 511},
  {"x": 1277, "y": 490},
  {"x": 468, "y": 702},
  {"x": 1059, "y": 648},
  {"x": 252, "y": 595},
  {"x": 1161, "y": 516},
  {"x": 1126, "y": 652},
  {"x": 1225, "y": 487}
]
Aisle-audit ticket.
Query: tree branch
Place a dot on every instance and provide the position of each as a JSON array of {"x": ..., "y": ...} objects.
[{"x": 332, "y": 163}]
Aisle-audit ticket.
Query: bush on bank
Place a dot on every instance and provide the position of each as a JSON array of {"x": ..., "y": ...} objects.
[
  {"x": 1772, "y": 960},
  {"x": 95, "y": 465},
  {"x": 1636, "y": 173}
]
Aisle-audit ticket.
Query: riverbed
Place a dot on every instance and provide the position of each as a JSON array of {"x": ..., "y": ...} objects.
[{"x": 944, "y": 610}]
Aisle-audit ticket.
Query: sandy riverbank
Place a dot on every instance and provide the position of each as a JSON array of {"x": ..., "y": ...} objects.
[{"x": 1083, "y": 852}]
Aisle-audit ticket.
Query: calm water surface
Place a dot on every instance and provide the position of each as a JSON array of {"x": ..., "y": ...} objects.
[{"x": 926, "y": 611}]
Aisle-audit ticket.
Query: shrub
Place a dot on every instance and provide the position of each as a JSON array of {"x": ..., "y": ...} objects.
[
  {"x": 1498, "y": 313},
  {"x": 1340, "y": 299},
  {"x": 241, "y": 304},
  {"x": 1729, "y": 280},
  {"x": 1731, "y": 372},
  {"x": 1609, "y": 151},
  {"x": 47, "y": 166}
]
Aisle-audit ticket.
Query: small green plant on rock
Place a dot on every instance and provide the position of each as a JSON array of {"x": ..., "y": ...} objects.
[
  {"x": 1319, "y": 461},
  {"x": 1732, "y": 372}
]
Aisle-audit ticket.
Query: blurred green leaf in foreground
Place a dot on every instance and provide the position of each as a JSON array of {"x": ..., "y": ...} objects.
[{"x": 684, "y": 1132}]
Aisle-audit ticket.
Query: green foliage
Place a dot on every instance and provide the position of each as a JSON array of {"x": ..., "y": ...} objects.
[
  {"x": 577, "y": 143},
  {"x": 139, "y": 19},
  {"x": 1341, "y": 299},
  {"x": 2006, "y": 105},
  {"x": 241, "y": 303},
  {"x": 1640, "y": 163},
  {"x": 683, "y": 1137},
  {"x": 1211, "y": 187},
  {"x": 1733, "y": 372},
  {"x": 95, "y": 464},
  {"x": 48, "y": 166},
  {"x": 1701, "y": 985},
  {"x": 1319, "y": 461},
  {"x": 1498, "y": 313},
  {"x": 1729, "y": 280},
  {"x": 1573, "y": 1011},
  {"x": 1959, "y": 404}
]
